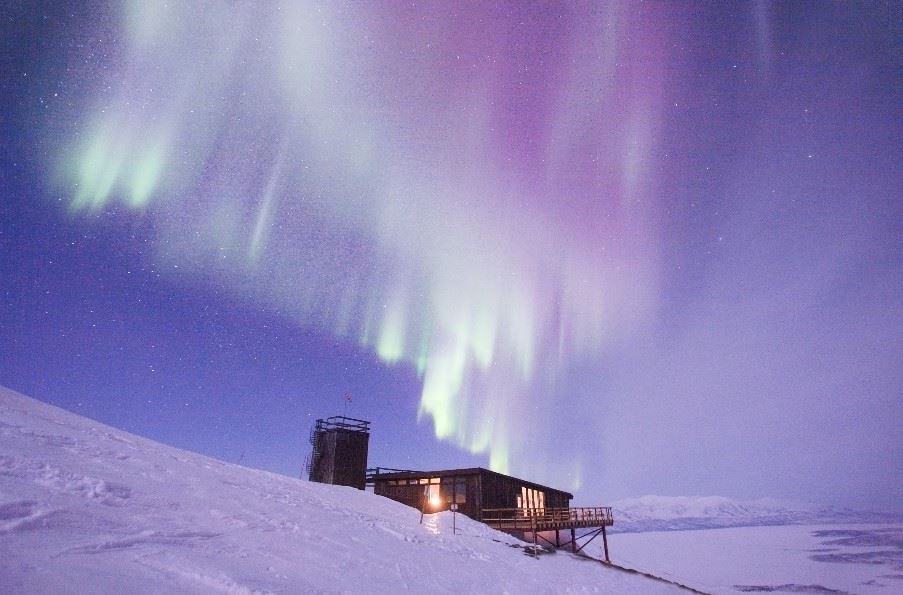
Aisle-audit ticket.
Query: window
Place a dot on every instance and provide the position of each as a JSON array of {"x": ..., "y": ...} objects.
[
  {"x": 531, "y": 501},
  {"x": 434, "y": 497},
  {"x": 454, "y": 490},
  {"x": 461, "y": 490}
]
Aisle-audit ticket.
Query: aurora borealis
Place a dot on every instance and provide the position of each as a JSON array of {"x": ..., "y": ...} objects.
[
  {"x": 622, "y": 243},
  {"x": 284, "y": 156}
]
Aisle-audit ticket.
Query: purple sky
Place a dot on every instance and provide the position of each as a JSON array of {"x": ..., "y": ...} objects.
[{"x": 617, "y": 248}]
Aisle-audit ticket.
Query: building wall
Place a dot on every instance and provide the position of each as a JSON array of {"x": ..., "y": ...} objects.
[
  {"x": 341, "y": 458},
  {"x": 473, "y": 491},
  {"x": 418, "y": 492},
  {"x": 502, "y": 491}
]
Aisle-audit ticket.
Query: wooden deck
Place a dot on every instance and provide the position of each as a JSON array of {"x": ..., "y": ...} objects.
[{"x": 547, "y": 519}]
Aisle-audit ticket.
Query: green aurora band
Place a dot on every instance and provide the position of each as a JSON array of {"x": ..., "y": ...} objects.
[{"x": 310, "y": 159}]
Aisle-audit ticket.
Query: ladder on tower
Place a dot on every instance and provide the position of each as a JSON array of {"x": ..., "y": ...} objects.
[{"x": 314, "y": 452}]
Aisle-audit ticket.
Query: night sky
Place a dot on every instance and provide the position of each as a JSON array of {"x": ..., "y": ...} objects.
[{"x": 618, "y": 248}]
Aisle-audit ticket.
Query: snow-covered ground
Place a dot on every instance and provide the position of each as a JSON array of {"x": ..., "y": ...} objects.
[
  {"x": 831, "y": 559},
  {"x": 759, "y": 546},
  {"x": 670, "y": 513},
  {"x": 86, "y": 508}
]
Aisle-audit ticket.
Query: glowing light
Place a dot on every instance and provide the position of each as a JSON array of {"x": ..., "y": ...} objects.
[{"x": 310, "y": 160}]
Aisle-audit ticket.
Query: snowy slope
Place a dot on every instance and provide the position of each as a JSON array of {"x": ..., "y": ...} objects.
[
  {"x": 88, "y": 508},
  {"x": 665, "y": 513}
]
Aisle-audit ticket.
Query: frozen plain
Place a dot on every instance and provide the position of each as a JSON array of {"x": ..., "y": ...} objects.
[
  {"x": 816, "y": 559},
  {"x": 88, "y": 508}
]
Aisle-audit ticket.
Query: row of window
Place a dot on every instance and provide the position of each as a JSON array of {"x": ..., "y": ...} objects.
[
  {"x": 531, "y": 499},
  {"x": 453, "y": 489},
  {"x": 436, "y": 490},
  {"x": 424, "y": 481},
  {"x": 432, "y": 480}
]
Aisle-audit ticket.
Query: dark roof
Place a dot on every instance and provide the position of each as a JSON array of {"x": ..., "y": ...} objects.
[{"x": 458, "y": 472}]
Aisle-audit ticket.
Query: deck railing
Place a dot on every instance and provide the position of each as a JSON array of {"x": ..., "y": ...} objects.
[{"x": 544, "y": 519}]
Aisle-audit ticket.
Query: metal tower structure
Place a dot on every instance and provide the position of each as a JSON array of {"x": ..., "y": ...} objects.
[{"x": 339, "y": 451}]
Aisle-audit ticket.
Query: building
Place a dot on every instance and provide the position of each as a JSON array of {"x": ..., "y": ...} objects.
[
  {"x": 506, "y": 503},
  {"x": 503, "y": 502},
  {"x": 339, "y": 453},
  {"x": 473, "y": 490}
]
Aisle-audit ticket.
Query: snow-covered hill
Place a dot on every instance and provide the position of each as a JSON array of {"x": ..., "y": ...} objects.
[
  {"x": 664, "y": 513},
  {"x": 88, "y": 508}
]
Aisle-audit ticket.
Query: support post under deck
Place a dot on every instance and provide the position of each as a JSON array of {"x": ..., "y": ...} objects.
[
  {"x": 605, "y": 544},
  {"x": 535, "y": 544},
  {"x": 573, "y": 541}
]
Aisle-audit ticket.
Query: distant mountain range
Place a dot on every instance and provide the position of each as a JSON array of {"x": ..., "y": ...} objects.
[{"x": 677, "y": 513}]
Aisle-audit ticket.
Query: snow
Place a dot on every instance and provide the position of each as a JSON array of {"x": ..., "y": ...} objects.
[
  {"x": 849, "y": 558},
  {"x": 88, "y": 508},
  {"x": 669, "y": 513}
]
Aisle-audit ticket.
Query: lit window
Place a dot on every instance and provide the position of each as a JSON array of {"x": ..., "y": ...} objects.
[
  {"x": 531, "y": 501},
  {"x": 433, "y": 496}
]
